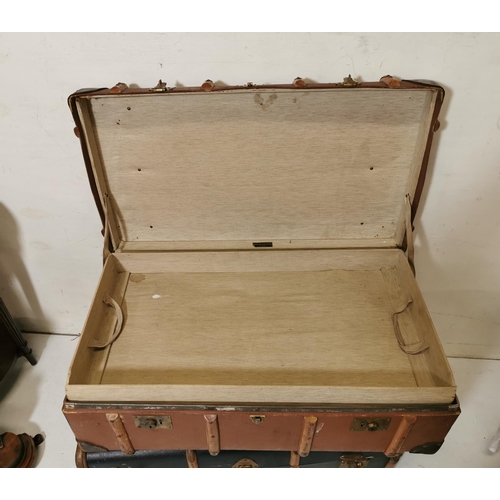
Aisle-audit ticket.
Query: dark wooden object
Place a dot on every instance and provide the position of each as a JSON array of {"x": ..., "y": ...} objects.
[
  {"x": 18, "y": 451},
  {"x": 8, "y": 351},
  {"x": 12, "y": 343}
]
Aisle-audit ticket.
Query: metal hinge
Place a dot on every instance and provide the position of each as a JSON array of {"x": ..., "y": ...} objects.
[{"x": 355, "y": 461}]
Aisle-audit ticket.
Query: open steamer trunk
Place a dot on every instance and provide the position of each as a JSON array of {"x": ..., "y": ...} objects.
[
  {"x": 258, "y": 239},
  {"x": 258, "y": 289}
]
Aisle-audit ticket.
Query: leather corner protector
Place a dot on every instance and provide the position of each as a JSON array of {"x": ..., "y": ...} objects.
[
  {"x": 390, "y": 81},
  {"x": 118, "y": 88},
  {"x": 299, "y": 83},
  {"x": 207, "y": 85}
]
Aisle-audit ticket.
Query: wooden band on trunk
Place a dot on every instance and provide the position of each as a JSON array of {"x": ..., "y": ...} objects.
[
  {"x": 400, "y": 435},
  {"x": 294, "y": 459},
  {"x": 307, "y": 436},
  {"x": 121, "y": 433},
  {"x": 80, "y": 457},
  {"x": 192, "y": 459},
  {"x": 212, "y": 430}
]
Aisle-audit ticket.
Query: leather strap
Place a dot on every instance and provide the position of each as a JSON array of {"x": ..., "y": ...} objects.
[
  {"x": 410, "y": 248},
  {"x": 407, "y": 348},
  {"x": 118, "y": 325}
]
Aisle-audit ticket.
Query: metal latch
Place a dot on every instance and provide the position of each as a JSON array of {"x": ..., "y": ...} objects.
[
  {"x": 160, "y": 87},
  {"x": 370, "y": 424},
  {"x": 155, "y": 422},
  {"x": 349, "y": 82},
  {"x": 257, "y": 419},
  {"x": 355, "y": 461}
]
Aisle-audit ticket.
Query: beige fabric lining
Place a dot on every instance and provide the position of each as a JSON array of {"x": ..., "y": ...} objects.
[{"x": 260, "y": 166}]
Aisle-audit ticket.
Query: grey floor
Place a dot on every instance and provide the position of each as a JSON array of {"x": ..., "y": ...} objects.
[{"x": 31, "y": 400}]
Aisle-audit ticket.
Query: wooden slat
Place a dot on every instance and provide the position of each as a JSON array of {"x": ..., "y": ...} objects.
[
  {"x": 212, "y": 432},
  {"x": 192, "y": 459},
  {"x": 121, "y": 434},
  {"x": 307, "y": 435},
  {"x": 259, "y": 261},
  {"x": 294, "y": 459},
  {"x": 164, "y": 246},
  {"x": 400, "y": 435},
  {"x": 249, "y": 394}
]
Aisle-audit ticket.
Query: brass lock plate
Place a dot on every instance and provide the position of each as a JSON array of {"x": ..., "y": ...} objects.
[
  {"x": 370, "y": 424},
  {"x": 257, "y": 419},
  {"x": 153, "y": 422}
]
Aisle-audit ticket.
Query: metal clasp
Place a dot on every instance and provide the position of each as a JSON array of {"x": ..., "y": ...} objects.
[
  {"x": 349, "y": 82},
  {"x": 160, "y": 87}
]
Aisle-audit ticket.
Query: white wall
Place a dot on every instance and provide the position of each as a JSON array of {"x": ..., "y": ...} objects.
[{"x": 48, "y": 217}]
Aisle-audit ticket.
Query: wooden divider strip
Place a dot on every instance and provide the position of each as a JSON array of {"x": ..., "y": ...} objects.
[
  {"x": 212, "y": 430},
  {"x": 307, "y": 436},
  {"x": 121, "y": 433},
  {"x": 192, "y": 459},
  {"x": 400, "y": 435}
]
